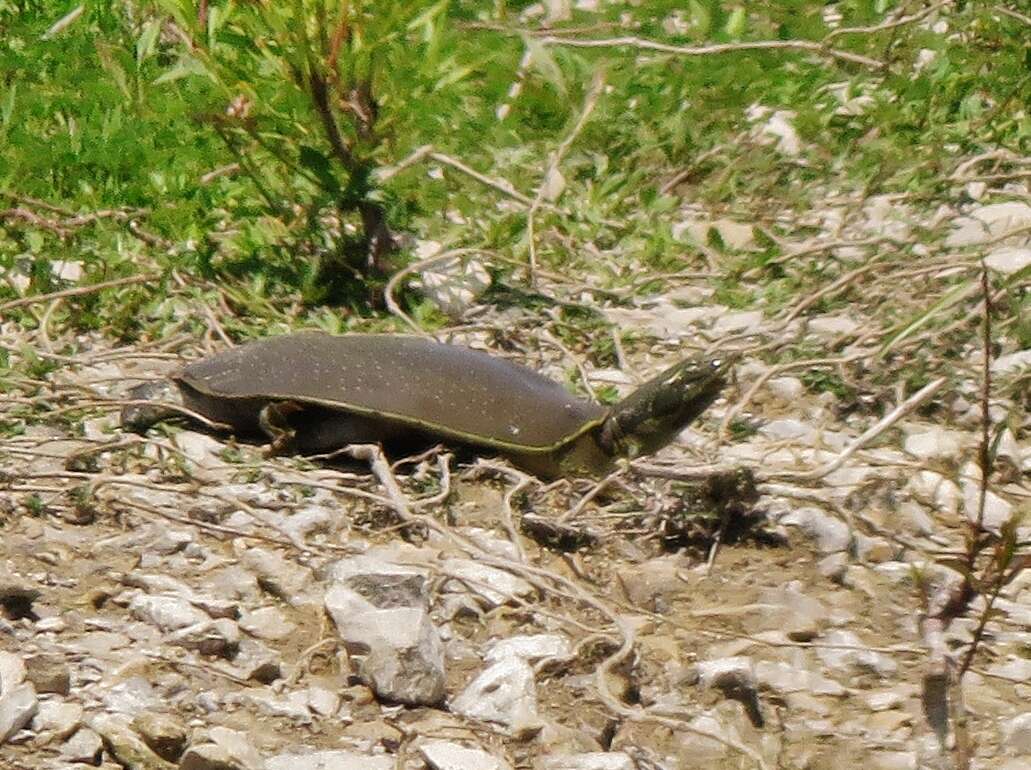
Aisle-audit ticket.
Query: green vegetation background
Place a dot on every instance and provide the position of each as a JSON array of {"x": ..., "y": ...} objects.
[{"x": 127, "y": 113}]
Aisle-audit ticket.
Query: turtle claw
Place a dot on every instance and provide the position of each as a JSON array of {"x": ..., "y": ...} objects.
[{"x": 274, "y": 420}]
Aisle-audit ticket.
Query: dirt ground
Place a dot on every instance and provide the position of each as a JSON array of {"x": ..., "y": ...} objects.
[{"x": 167, "y": 597}]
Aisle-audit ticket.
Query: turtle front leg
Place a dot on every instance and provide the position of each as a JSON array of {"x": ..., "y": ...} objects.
[{"x": 274, "y": 421}]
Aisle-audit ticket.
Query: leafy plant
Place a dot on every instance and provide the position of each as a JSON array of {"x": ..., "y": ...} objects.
[{"x": 317, "y": 97}]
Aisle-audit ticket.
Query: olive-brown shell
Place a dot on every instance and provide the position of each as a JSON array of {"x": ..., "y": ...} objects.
[{"x": 446, "y": 390}]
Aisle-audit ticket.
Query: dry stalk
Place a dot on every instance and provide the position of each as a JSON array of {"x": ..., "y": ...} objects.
[
  {"x": 35, "y": 220},
  {"x": 78, "y": 291},
  {"x": 736, "y": 409},
  {"x": 995, "y": 575},
  {"x": 98, "y": 482},
  {"x": 695, "y": 473},
  {"x": 360, "y": 494},
  {"x": 621, "y": 358},
  {"x": 215, "y": 326},
  {"x": 590, "y": 102},
  {"x": 890, "y": 23},
  {"x": 198, "y": 664},
  {"x": 595, "y": 490},
  {"x": 444, "y": 469},
  {"x": 828, "y": 246},
  {"x": 984, "y": 454},
  {"x": 230, "y": 169},
  {"x": 37, "y": 203},
  {"x": 502, "y": 186},
  {"x": 69, "y": 221},
  {"x": 819, "y": 496},
  {"x": 800, "y": 307},
  {"x": 933, "y": 337},
  {"x": 522, "y": 482},
  {"x": 170, "y": 406},
  {"x": 896, "y": 414},
  {"x": 1013, "y": 14},
  {"x": 959, "y": 174},
  {"x": 999, "y": 177},
  {"x": 552, "y": 340},
  {"x": 684, "y": 174},
  {"x": 386, "y": 173},
  {"x": 44, "y": 323},
  {"x": 643, "y": 44},
  {"x": 208, "y": 527},
  {"x": 836, "y": 285},
  {"x": 943, "y": 679}
]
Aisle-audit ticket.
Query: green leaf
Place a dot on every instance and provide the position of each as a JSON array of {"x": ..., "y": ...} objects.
[
  {"x": 146, "y": 44},
  {"x": 428, "y": 18},
  {"x": 956, "y": 295},
  {"x": 114, "y": 68},
  {"x": 455, "y": 75},
  {"x": 64, "y": 22},
  {"x": 186, "y": 67},
  {"x": 701, "y": 19},
  {"x": 316, "y": 161},
  {"x": 7, "y": 108},
  {"x": 217, "y": 16},
  {"x": 736, "y": 22},
  {"x": 542, "y": 62},
  {"x": 665, "y": 203}
]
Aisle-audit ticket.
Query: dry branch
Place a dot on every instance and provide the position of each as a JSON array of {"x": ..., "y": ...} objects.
[
  {"x": 590, "y": 101},
  {"x": 78, "y": 291},
  {"x": 888, "y": 24},
  {"x": 896, "y": 414},
  {"x": 1013, "y": 14},
  {"x": 34, "y": 220},
  {"x": 62, "y": 227},
  {"x": 632, "y": 41}
]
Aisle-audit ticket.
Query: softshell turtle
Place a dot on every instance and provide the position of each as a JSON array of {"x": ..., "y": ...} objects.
[{"x": 314, "y": 392}]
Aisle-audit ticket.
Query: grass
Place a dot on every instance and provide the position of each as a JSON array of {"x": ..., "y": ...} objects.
[{"x": 197, "y": 148}]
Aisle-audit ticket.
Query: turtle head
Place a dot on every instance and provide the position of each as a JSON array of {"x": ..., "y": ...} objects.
[{"x": 652, "y": 416}]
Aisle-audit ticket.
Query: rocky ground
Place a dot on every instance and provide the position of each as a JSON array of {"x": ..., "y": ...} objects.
[{"x": 179, "y": 600}]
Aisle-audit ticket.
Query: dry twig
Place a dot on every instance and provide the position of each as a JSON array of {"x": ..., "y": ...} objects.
[
  {"x": 896, "y": 414},
  {"x": 632, "y": 41},
  {"x": 78, "y": 291},
  {"x": 590, "y": 101},
  {"x": 1013, "y": 14},
  {"x": 890, "y": 23}
]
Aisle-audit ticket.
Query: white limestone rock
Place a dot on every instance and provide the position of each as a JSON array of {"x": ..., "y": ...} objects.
[
  {"x": 445, "y": 755},
  {"x": 330, "y": 760},
  {"x": 505, "y": 692},
  {"x": 18, "y": 705},
  {"x": 986, "y": 223},
  {"x": 380, "y": 611}
]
